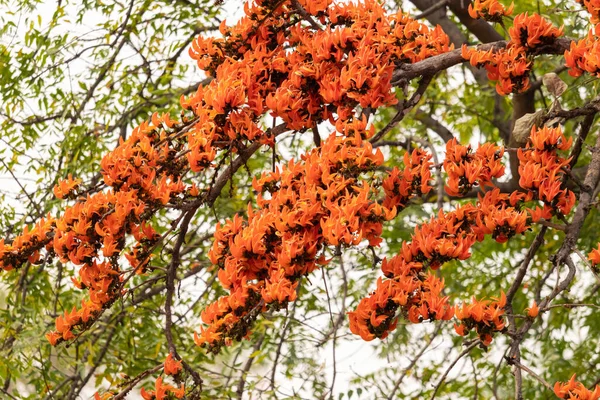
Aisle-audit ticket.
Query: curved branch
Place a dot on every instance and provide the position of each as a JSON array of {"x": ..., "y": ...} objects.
[{"x": 435, "y": 64}]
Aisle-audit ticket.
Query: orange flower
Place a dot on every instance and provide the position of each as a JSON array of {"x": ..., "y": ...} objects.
[
  {"x": 533, "y": 311},
  {"x": 66, "y": 187},
  {"x": 162, "y": 390},
  {"x": 53, "y": 337},
  {"x": 490, "y": 10},
  {"x": 460, "y": 329},
  {"x": 178, "y": 392},
  {"x": 414, "y": 180},
  {"x": 485, "y": 316},
  {"x": 279, "y": 289},
  {"x": 374, "y": 317},
  {"x": 594, "y": 256},
  {"x": 147, "y": 395},
  {"x": 466, "y": 169},
  {"x": 531, "y": 31},
  {"x": 593, "y": 7},
  {"x": 541, "y": 171},
  {"x": 572, "y": 390},
  {"x": 548, "y": 139},
  {"x": 172, "y": 366},
  {"x": 511, "y": 66}
]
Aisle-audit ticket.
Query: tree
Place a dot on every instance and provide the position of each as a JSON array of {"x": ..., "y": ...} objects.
[{"x": 284, "y": 198}]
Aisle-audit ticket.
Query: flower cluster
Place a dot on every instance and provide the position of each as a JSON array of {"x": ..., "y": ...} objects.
[
  {"x": 593, "y": 7},
  {"x": 485, "y": 316},
  {"x": 410, "y": 289},
  {"x": 584, "y": 55},
  {"x": 27, "y": 246},
  {"x": 573, "y": 390},
  {"x": 146, "y": 164},
  {"x": 511, "y": 66},
  {"x": 270, "y": 61},
  {"x": 413, "y": 180},
  {"x": 144, "y": 174},
  {"x": 500, "y": 215},
  {"x": 409, "y": 286},
  {"x": 318, "y": 201},
  {"x": 490, "y": 10},
  {"x": 163, "y": 390},
  {"x": 103, "y": 281},
  {"x": 417, "y": 295},
  {"x": 532, "y": 31},
  {"x": 99, "y": 224},
  {"x": 542, "y": 170},
  {"x": 466, "y": 168},
  {"x": 324, "y": 75},
  {"x": 66, "y": 187}
]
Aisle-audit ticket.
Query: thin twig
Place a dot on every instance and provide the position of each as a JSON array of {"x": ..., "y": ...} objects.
[
  {"x": 334, "y": 334},
  {"x": 432, "y": 9},
  {"x": 533, "y": 374},
  {"x": 461, "y": 355},
  {"x": 404, "y": 108},
  {"x": 414, "y": 361},
  {"x": 247, "y": 366}
]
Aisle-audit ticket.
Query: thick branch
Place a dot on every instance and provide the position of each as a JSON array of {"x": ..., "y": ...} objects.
[
  {"x": 563, "y": 255},
  {"x": 435, "y": 64},
  {"x": 435, "y": 12},
  {"x": 434, "y": 125}
]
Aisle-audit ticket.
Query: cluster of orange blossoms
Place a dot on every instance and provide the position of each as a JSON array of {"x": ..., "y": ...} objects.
[
  {"x": 593, "y": 7},
  {"x": 271, "y": 61},
  {"x": 66, "y": 188},
  {"x": 485, "y": 316},
  {"x": 312, "y": 203},
  {"x": 573, "y": 390},
  {"x": 410, "y": 289},
  {"x": 490, "y": 10},
  {"x": 408, "y": 286},
  {"x": 542, "y": 171},
  {"x": 162, "y": 390},
  {"x": 501, "y": 215},
  {"x": 584, "y": 55},
  {"x": 466, "y": 169},
  {"x": 413, "y": 180},
  {"x": 510, "y": 66},
  {"x": 144, "y": 173},
  {"x": 27, "y": 246}
]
